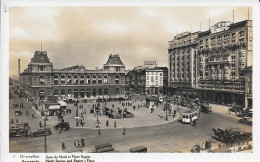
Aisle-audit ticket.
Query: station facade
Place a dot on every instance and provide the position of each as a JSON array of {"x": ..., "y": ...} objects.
[{"x": 40, "y": 80}]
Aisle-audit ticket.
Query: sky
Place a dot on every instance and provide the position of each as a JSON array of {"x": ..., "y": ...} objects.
[{"x": 87, "y": 35}]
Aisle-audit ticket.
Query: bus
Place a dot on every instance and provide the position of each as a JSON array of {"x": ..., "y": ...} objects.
[{"x": 190, "y": 115}]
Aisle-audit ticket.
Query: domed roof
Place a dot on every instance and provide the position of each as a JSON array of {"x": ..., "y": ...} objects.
[
  {"x": 114, "y": 60},
  {"x": 40, "y": 57}
]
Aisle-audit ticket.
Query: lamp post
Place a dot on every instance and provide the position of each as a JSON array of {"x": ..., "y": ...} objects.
[
  {"x": 45, "y": 134},
  {"x": 77, "y": 114}
]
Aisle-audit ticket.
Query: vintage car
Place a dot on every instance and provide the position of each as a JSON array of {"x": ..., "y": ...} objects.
[
  {"x": 18, "y": 112},
  {"x": 246, "y": 120},
  {"x": 63, "y": 125},
  {"x": 41, "y": 132},
  {"x": 15, "y": 105},
  {"x": 19, "y": 129}
]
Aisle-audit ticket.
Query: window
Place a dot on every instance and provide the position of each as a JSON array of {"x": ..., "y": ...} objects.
[
  {"x": 233, "y": 75},
  {"x": 241, "y": 33},
  {"x": 34, "y": 79},
  {"x": 49, "y": 79},
  {"x": 105, "y": 92},
  {"x": 147, "y": 83},
  {"x": 100, "y": 91},
  {"x": 233, "y": 58},
  {"x": 100, "y": 79},
  {"x": 122, "y": 79},
  {"x": 56, "y": 80},
  {"x": 88, "y": 79},
  {"x": 226, "y": 36},
  {"x": 117, "y": 79},
  {"x": 94, "y": 80},
  {"x": 219, "y": 38},
  {"x": 69, "y": 81},
  {"x": 62, "y": 79},
  {"x": 42, "y": 80},
  {"x": 241, "y": 40},
  {"x": 56, "y": 92},
  {"x": 206, "y": 41},
  {"x": 201, "y": 41},
  {"x": 156, "y": 77},
  {"x": 213, "y": 39},
  {"x": 94, "y": 92},
  {"x": 232, "y": 66},
  {"x": 105, "y": 79},
  {"x": 233, "y": 41},
  {"x": 233, "y": 35},
  {"x": 41, "y": 68},
  {"x": 62, "y": 93},
  {"x": 161, "y": 78},
  {"x": 82, "y": 79},
  {"x": 76, "y": 81}
]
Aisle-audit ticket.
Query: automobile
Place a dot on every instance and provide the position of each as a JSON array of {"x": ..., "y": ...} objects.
[
  {"x": 15, "y": 105},
  {"x": 63, "y": 125},
  {"x": 19, "y": 129},
  {"x": 246, "y": 120},
  {"x": 121, "y": 99},
  {"x": 204, "y": 107},
  {"x": 18, "y": 112},
  {"x": 41, "y": 132},
  {"x": 85, "y": 100}
]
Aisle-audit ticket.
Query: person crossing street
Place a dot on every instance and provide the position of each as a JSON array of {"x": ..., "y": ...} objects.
[{"x": 124, "y": 131}]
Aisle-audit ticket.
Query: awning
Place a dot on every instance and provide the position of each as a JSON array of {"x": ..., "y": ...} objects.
[
  {"x": 62, "y": 103},
  {"x": 54, "y": 107}
]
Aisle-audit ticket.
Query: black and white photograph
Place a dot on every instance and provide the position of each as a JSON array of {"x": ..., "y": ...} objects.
[{"x": 124, "y": 79}]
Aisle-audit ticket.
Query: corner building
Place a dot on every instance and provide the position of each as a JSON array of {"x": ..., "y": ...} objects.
[
  {"x": 223, "y": 53},
  {"x": 41, "y": 80}
]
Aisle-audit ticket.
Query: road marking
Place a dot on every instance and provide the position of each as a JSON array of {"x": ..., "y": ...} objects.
[{"x": 37, "y": 112}]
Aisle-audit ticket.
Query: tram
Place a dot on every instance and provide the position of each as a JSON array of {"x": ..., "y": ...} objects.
[{"x": 190, "y": 115}]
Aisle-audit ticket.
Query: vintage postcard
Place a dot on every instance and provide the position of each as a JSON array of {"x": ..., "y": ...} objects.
[{"x": 127, "y": 78}]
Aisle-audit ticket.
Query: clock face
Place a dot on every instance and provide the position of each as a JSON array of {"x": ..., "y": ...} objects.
[{"x": 221, "y": 26}]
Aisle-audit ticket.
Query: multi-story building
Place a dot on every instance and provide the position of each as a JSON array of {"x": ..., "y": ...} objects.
[
  {"x": 223, "y": 52},
  {"x": 147, "y": 80},
  {"x": 248, "y": 87},
  {"x": 41, "y": 80},
  {"x": 183, "y": 63}
]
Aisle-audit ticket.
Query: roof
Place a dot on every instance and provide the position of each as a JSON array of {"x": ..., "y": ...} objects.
[
  {"x": 114, "y": 60},
  {"x": 40, "y": 57}
]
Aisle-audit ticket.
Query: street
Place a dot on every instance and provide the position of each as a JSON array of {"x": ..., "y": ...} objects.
[{"x": 158, "y": 136}]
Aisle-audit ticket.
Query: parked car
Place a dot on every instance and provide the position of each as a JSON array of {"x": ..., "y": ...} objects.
[
  {"x": 15, "y": 105},
  {"x": 63, "y": 125},
  {"x": 41, "y": 132},
  {"x": 18, "y": 112},
  {"x": 19, "y": 129}
]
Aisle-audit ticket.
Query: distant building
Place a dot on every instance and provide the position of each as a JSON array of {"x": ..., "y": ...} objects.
[
  {"x": 41, "y": 80},
  {"x": 147, "y": 80},
  {"x": 210, "y": 64},
  {"x": 248, "y": 87}
]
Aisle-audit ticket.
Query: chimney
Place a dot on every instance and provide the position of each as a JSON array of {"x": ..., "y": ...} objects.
[{"x": 19, "y": 68}]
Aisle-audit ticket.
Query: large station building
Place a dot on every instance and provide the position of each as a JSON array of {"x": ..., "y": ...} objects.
[
  {"x": 41, "y": 80},
  {"x": 211, "y": 64}
]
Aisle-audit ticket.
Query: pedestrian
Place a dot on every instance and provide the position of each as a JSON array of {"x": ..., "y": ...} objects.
[
  {"x": 16, "y": 120},
  {"x": 27, "y": 113},
  {"x": 124, "y": 131},
  {"x": 60, "y": 130},
  {"x": 63, "y": 146},
  {"x": 206, "y": 145},
  {"x": 107, "y": 123},
  {"x": 115, "y": 124},
  {"x": 40, "y": 124},
  {"x": 99, "y": 131},
  {"x": 194, "y": 123},
  {"x": 82, "y": 142}
]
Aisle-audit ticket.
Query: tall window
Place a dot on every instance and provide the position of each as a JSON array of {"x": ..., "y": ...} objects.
[
  {"x": 56, "y": 80},
  {"x": 56, "y": 92},
  {"x": 88, "y": 79},
  {"x": 76, "y": 81},
  {"x": 94, "y": 80},
  {"x": 105, "y": 79},
  {"x": 62, "y": 93},
  {"x": 34, "y": 79},
  {"x": 42, "y": 80},
  {"x": 49, "y": 79},
  {"x": 122, "y": 79},
  {"x": 62, "y": 79},
  {"x": 69, "y": 80},
  {"x": 117, "y": 79},
  {"x": 82, "y": 79},
  {"x": 94, "y": 92},
  {"x": 100, "y": 79}
]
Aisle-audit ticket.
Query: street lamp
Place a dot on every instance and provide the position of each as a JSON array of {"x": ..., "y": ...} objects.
[
  {"x": 77, "y": 114},
  {"x": 45, "y": 133},
  {"x": 97, "y": 113}
]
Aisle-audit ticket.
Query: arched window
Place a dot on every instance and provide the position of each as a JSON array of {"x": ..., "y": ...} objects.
[
  {"x": 105, "y": 79},
  {"x": 62, "y": 93},
  {"x": 42, "y": 94},
  {"x": 88, "y": 93},
  {"x": 42, "y": 79},
  {"x": 62, "y": 79},
  {"x": 69, "y": 80},
  {"x": 82, "y": 79},
  {"x": 49, "y": 79},
  {"x": 94, "y": 80},
  {"x": 94, "y": 92},
  {"x": 105, "y": 92},
  {"x": 69, "y": 92},
  {"x": 117, "y": 79},
  {"x": 88, "y": 79},
  {"x": 76, "y": 93},
  {"x": 34, "y": 79},
  {"x": 56, "y": 79},
  {"x": 122, "y": 79},
  {"x": 100, "y": 79},
  {"x": 76, "y": 81},
  {"x": 82, "y": 93},
  {"x": 100, "y": 92},
  {"x": 56, "y": 92}
]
